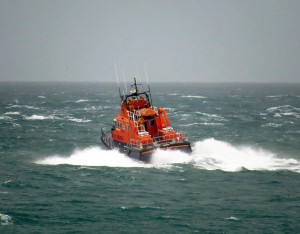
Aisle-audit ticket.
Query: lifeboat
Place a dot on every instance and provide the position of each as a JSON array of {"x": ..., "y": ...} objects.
[{"x": 141, "y": 128}]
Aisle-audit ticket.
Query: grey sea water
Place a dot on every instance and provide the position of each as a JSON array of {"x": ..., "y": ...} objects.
[{"x": 242, "y": 177}]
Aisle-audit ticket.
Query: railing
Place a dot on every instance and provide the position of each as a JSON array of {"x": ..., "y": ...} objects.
[
  {"x": 175, "y": 137},
  {"x": 178, "y": 137},
  {"x": 135, "y": 116}
]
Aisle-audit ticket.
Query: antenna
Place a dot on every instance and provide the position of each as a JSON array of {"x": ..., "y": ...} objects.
[
  {"x": 124, "y": 81},
  {"x": 146, "y": 73},
  {"x": 118, "y": 82},
  {"x": 117, "y": 75}
]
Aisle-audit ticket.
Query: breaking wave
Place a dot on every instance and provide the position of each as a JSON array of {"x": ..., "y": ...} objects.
[
  {"x": 210, "y": 116},
  {"x": 204, "y": 123},
  {"x": 209, "y": 154},
  {"x": 53, "y": 117},
  {"x": 4, "y": 117},
  {"x": 285, "y": 110},
  {"x": 193, "y": 96},
  {"x": 12, "y": 113},
  {"x": 212, "y": 154},
  {"x": 23, "y": 106},
  {"x": 82, "y": 100},
  {"x": 41, "y": 117},
  {"x": 5, "y": 219},
  {"x": 79, "y": 120},
  {"x": 272, "y": 125}
]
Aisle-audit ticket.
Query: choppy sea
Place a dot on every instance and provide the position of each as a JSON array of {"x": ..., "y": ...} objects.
[{"x": 242, "y": 177}]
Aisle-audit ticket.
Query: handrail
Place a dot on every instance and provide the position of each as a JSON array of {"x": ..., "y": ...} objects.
[{"x": 178, "y": 137}]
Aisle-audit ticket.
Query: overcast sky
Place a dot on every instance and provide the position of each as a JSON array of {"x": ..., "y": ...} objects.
[{"x": 179, "y": 40}]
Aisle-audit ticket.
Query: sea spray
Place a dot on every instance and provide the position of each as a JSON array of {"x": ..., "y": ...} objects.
[
  {"x": 169, "y": 157},
  {"x": 93, "y": 156},
  {"x": 5, "y": 219},
  {"x": 209, "y": 154}
]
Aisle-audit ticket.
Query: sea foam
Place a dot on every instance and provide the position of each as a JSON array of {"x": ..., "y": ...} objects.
[
  {"x": 12, "y": 113},
  {"x": 212, "y": 154},
  {"x": 79, "y": 120},
  {"x": 193, "y": 96},
  {"x": 5, "y": 219},
  {"x": 209, "y": 154},
  {"x": 82, "y": 100},
  {"x": 93, "y": 156},
  {"x": 40, "y": 117}
]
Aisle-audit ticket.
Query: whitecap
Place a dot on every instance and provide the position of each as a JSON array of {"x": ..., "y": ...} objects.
[
  {"x": 42, "y": 97},
  {"x": 79, "y": 120},
  {"x": 41, "y": 117},
  {"x": 23, "y": 106},
  {"x": 82, "y": 100},
  {"x": 212, "y": 124},
  {"x": 5, "y": 219},
  {"x": 232, "y": 218},
  {"x": 272, "y": 125},
  {"x": 275, "y": 108},
  {"x": 204, "y": 123},
  {"x": 193, "y": 96},
  {"x": 283, "y": 109},
  {"x": 4, "y": 117},
  {"x": 290, "y": 114},
  {"x": 91, "y": 108},
  {"x": 7, "y": 182},
  {"x": 275, "y": 96},
  {"x": 211, "y": 116},
  {"x": 12, "y": 113},
  {"x": 110, "y": 107},
  {"x": 31, "y": 107}
]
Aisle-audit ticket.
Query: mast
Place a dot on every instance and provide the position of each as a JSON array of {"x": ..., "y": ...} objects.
[
  {"x": 148, "y": 82},
  {"x": 135, "y": 86}
]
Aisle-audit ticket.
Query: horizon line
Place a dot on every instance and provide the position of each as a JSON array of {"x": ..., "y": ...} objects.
[{"x": 163, "y": 82}]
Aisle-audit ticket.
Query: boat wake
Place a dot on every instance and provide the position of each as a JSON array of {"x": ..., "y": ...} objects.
[
  {"x": 212, "y": 154},
  {"x": 209, "y": 154}
]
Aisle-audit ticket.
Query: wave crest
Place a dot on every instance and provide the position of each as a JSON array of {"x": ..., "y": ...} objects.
[
  {"x": 5, "y": 219},
  {"x": 212, "y": 154}
]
